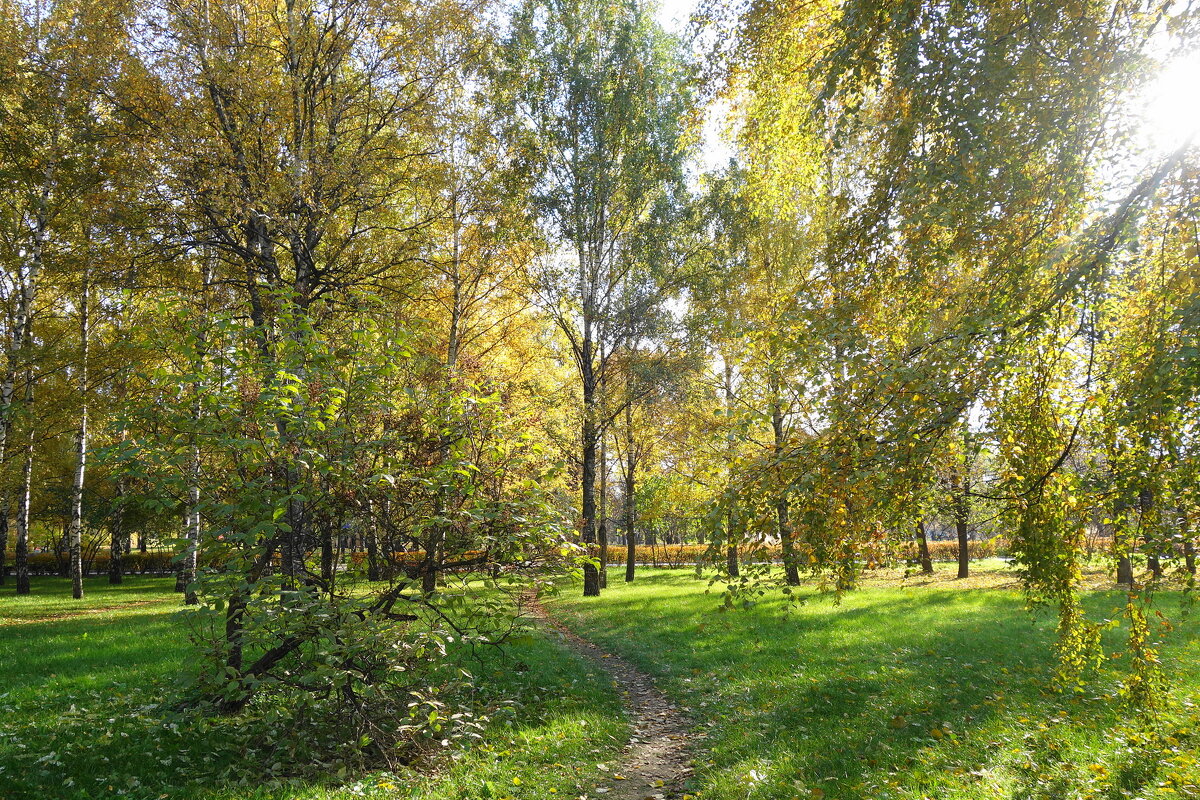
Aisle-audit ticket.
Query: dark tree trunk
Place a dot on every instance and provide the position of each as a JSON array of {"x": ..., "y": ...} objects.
[
  {"x": 3, "y": 538},
  {"x": 373, "y": 552},
  {"x": 1189, "y": 546},
  {"x": 119, "y": 543},
  {"x": 327, "y": 556},
  {"x": 960, "y": 486},
  {"x": 1145, "y": 509},
  {"x": 782, "y": 510},
  {"x": 964, "y": 550},
  {"x": 1125, "y": 571},
  {"x": 591, "y": 575},
  {"x": 731, "y": 548},
  {"x": 630, "y": 501},
  {"x": 923, "y": 548}
]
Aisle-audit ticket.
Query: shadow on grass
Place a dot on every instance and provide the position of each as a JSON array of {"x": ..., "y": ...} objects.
[{"x": 78, "y": 696}]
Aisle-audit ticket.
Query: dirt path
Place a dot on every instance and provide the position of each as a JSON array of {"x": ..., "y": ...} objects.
[{"x": 655, "y": 763}]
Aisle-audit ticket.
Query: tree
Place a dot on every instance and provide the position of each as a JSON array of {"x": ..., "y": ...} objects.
[
  {"x": 599, "y": 94},
  {"x": 62, "y": 115}
]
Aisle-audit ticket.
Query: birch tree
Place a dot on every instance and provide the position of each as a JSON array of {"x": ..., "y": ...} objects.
[{"x": 599, "y": 97}]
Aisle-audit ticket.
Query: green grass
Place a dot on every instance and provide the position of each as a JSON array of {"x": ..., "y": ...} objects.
[
  {"x": 78, "y": 680},
  {"x": 899, "y": 691}
]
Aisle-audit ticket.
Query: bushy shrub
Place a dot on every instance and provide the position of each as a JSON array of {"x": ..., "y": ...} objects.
[
  {"x": 336, "y": 676},
  {"x": 156, "y": 562},
  {"x": 948, "y": 550}
]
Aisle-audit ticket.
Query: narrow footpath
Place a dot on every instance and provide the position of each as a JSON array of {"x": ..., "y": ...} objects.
[{"x": 656, "y": 762}]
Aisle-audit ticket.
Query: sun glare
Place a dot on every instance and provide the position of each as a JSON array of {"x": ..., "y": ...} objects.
[{"x": 1173, "y": 104}]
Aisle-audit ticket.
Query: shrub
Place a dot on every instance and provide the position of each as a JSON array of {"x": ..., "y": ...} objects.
[
  {"x": 154, "y": 562},
  {"x": 948, "y": 550}
]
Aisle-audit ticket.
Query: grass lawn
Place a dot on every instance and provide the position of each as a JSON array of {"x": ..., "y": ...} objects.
[
  {"x": 78, "y": 680},
  {"x": 909, "y": 688}
]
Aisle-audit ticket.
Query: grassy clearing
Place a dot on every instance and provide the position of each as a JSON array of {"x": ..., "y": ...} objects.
[
  {"x": 80, "y": 679},
  {"x": 901, "y": 691}
]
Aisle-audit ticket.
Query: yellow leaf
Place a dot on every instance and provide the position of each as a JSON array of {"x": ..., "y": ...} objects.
[{"x": 897, "y": 722}]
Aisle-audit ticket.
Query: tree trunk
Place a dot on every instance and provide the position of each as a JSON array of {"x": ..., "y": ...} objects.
[
  {"x": 960, "y": 485},
  {"x": 373, "y": 547},
  {"x": 782, "y": 510},
  {"x": 630, "y": 498},
  {"x": 191, "y": 558},
  {"x": 1122, "y": 544},
  {"x": 75, "y": 535},
  {"x": 964, "y": 551},
  {"x": 327, "y": 556},
  {"x": 731, "y": 547},
  {"x": 21, "y": 557},
  {"x": 1125, "y": 571},
  {"x": 23, "y": 327},
  {"x": 181, "y": 576},
  {"x": 1189, "y": 546},
  {"x": 603, "y": 530},
  {"x": 3, "y": 533},
  {"x": 119, "y": 545},
  {"x": 923, "y": 548},
  {"x": 591, "y": 575},
  {"x": 81, "y": 438},
  {"x": 1145, "y": 508}
]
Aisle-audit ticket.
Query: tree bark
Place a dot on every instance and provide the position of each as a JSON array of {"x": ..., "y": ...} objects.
[
  {"x": 3, "y": 533},
  {"x": 373, "y": 546},
  {"x": 75, "y": 534},
  {"x": 591, "y": 575},
  {"x": 923, "y": 548},
  {"x": 30, "y": 272},
  {"x": 782, "y": 508},
  {"x": 191, "y": 557},
  {"x": 1189, "y": 546},
  {"x": 21, "y": 557},
  {"x": 731, "y": 547},
  {"x": 630, "y": 498},
  {"x": 964, "y": 550},
  {"x": 960, "y": 485},
  {"x": 602, "y": 532},
  {"x": 119, "y": 544},
  {"x": 1145, "y": 509},
  {"x": 1122, "y": 544},
  {"x": 327, "y": 556}
]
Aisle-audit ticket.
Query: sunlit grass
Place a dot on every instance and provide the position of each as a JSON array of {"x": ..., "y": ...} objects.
[{"x": 896, "y": 692}]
